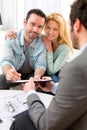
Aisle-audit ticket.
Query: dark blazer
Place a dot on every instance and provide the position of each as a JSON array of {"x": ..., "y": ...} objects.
[{"x": 68, "y": 109}]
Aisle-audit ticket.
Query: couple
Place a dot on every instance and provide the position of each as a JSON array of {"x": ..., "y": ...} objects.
[{"x": 26, "y": 55}]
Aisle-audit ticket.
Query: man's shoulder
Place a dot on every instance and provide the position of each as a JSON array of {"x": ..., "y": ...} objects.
[
  {"x": 17, "y": 39},
  {"x": 19, "y": 33},
  {"x": 38, "y": 42},
  {"x": 78, "y": 63}
]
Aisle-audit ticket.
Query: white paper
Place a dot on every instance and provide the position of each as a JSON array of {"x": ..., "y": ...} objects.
[{"x": 13, "y": 103}]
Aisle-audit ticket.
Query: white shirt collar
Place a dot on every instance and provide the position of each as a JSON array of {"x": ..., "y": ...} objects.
[{"x": 82, "y": 49}]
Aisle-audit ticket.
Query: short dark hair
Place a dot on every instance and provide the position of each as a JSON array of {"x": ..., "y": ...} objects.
[
  {"x": 38, "y": 12},
  {"x": 79, "y": 10}
]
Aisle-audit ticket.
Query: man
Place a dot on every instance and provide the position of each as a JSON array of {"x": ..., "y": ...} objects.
[
  {"x": 25, "y": 55},
  {"x": 68, "y": 109}
]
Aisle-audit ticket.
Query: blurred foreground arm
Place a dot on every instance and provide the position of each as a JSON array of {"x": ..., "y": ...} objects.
[{"x": 49, "y": 86}]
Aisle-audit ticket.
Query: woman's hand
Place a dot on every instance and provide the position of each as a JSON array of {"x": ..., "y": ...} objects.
[
  {"x": 47, "y": 43},
  {"x": 46, "y": 86},
  {"x": 10, "y": 34},
  {"x": 33, "y": 86}
]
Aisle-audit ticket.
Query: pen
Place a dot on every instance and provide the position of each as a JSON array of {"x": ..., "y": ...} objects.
[
  {"x": 24, "y": 102},
  {"x": 11, "y": 107}
]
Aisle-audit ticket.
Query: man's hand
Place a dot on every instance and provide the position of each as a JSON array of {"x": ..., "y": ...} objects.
[
  {"x": 12, "y": 74},
  {"x": 33, "y": 86},
  {"x": 38, "y": 73},
  {"x": 29, "y": 85}
]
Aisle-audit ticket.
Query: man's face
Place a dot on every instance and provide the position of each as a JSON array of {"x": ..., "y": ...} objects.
[
  {"x": 34, "y": 26},
  {"x": 74, "y": 36}
]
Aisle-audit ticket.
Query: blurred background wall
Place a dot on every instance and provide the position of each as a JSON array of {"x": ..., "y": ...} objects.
[{"x": 14, "y": 11}]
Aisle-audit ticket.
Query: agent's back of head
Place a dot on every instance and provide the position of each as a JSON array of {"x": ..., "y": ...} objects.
[{"x": 79, "y": 10}]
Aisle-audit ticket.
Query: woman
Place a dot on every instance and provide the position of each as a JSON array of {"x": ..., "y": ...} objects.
[{"x": 58, "y": 44}]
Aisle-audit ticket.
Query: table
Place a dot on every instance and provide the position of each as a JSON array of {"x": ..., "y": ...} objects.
[{"x": 13, "y": 102}]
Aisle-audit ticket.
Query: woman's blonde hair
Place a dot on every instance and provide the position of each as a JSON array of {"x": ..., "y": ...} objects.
[{"x": 64, "y": 36}]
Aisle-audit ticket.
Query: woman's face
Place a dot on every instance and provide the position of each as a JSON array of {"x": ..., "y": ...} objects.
[{"x": 52, "y": 30}]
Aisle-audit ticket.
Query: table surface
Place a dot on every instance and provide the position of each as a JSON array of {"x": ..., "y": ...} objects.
[{"x": 13, "y": 96}]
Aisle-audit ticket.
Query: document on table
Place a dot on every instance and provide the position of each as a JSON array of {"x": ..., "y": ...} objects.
[
  {"x": 11, "y": 106},
  {"x": 14, "y": 104},
  {"x": 17, "y": 103}
]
